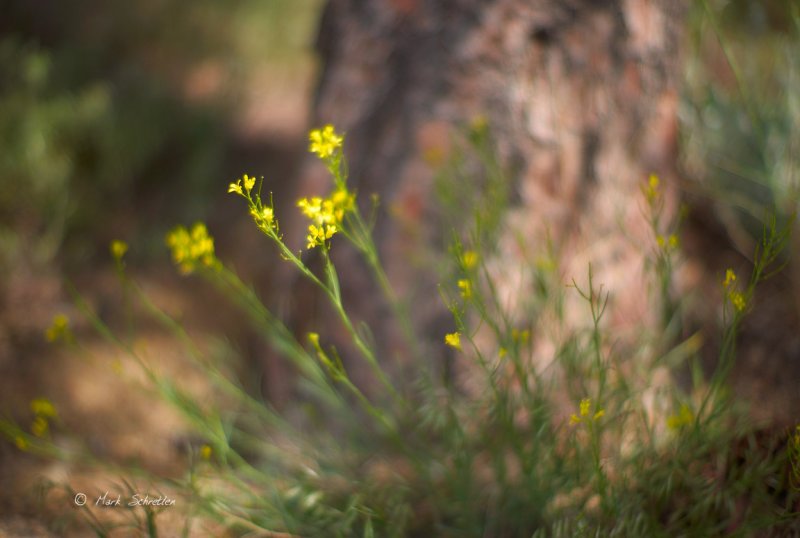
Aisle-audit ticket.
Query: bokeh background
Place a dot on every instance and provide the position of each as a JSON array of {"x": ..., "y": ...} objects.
[{"x": 119, "y": 120}]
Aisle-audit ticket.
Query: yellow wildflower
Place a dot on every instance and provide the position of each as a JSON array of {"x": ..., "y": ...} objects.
[
  {"x": 310, "y": 208},
  {"x": 668, "y": 243},
  {"x": 684, "y": 418},
  {"x": 191, "y": 248},
  {"x": 651, "y": 192},
  {"x": 264, "y": 217},
  {"x": 40, "y": 427},
  {"x": 584, "y": 408},
  {"x": 521, "y": 337},
  {"x": 58, "y": 329},
  {"x": 673, "y": 241},
  {"x": 317, "y": 235},
  {"x": 43, "y": 407},
  {"x": 314, "y": 339},
  {"x": 326, "y": 215},
  {"x": 324, "y": 142},
  {"x": 453, "y": 340},
  {"x": 118, "y": 249},
  {"x": 470, "y": 259},
  {"x": 236, "y": 187},
  {"x": 466, "y": 288},
  {"x": 737, "y": 300},
  {"x": 21, "y": 443},
  {"x": 249, "y": 183},
  {"x": 205, "y": 452},
  {"x": 730, "y": 278}
]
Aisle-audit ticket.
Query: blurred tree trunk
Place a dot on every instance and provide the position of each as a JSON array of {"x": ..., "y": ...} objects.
[{"x": 581, "y": 97}]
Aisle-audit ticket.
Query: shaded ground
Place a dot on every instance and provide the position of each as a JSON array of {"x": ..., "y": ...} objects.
[{"x": 97, "y": 390}]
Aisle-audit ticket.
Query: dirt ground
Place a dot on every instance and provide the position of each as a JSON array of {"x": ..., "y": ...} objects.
[{"x": 103, "y": 403}]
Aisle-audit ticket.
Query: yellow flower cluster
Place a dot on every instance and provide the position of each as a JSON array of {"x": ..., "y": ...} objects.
[
  {"x": 465, "y": 286},
  {"x": 326, "y": 215},
  {"x": 192, "y": 248},
  {"x": 520, "y": 337},
  {"x": 667, "y": 243},
  {"x": 264, "y": 216},
  {"x": 44, "y": 410},
  {"x": 730, "y": 278},
  {"x": 118, "y": 249},
  {"x": 470, "y": 259},
  {"x": 59, "y": 329},
  {"x": 453, "y": 340},
  {"x": 583, "y": 413},
  {"x": 736, "y": 297},
  {"x": 246, "y": 181},
  {"x": 684, "y": 418},
  {"x": 651, "y": 191},
  {"x": 324, "y": 142}
]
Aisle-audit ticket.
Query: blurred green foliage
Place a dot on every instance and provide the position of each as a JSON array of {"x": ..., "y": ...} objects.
[
  {"x": 116, "y": 116},
  {"x": 741, "y": 108}
]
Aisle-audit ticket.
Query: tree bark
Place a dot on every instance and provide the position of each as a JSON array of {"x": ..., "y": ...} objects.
[{"x": 581, "y": 97}]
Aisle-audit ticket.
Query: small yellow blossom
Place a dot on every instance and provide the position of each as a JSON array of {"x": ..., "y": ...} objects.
[
  {"x": 736, "y": 297},
  {"x": 584, "y": 408},
  {"x": 324, "y": 142},
  {"x": 651, "y": 192},
  {"x": 21, "y": 443},
  {"x": 737, "y": 300},
  {"x": 314, "y": 339},
  {"x": 326, "y": 215},
  {"x": 730, "y": 278},
  {"x": 118, "y": 249},
  {"x": 43, "y": 407},
  {"x": 470, "y": 259},
  {"x": 264, "y": 217},
  {"x": 190, "y": 248},
  {"x": 466, "y": 288},
  {"x": 58, "y": 329},
  {"x": 684, "y": 418},
  {"x": 673, "y": 241},
  {"x": 310, "y": 208},
  {"x": 521, "y": 337},
  {"x": 249, "y": 183},
  {"x": 40, "y": 427},
  {"x": 236, "y": 187},
  {"x": 317, "y": 235},
  {"x": 668, "y": 243},
  {"x": 453, "y": 340},
  {"x": 205, "y": 452}
]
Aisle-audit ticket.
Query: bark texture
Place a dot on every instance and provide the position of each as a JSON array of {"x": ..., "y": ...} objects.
[{"x": 581, "y": 96}]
